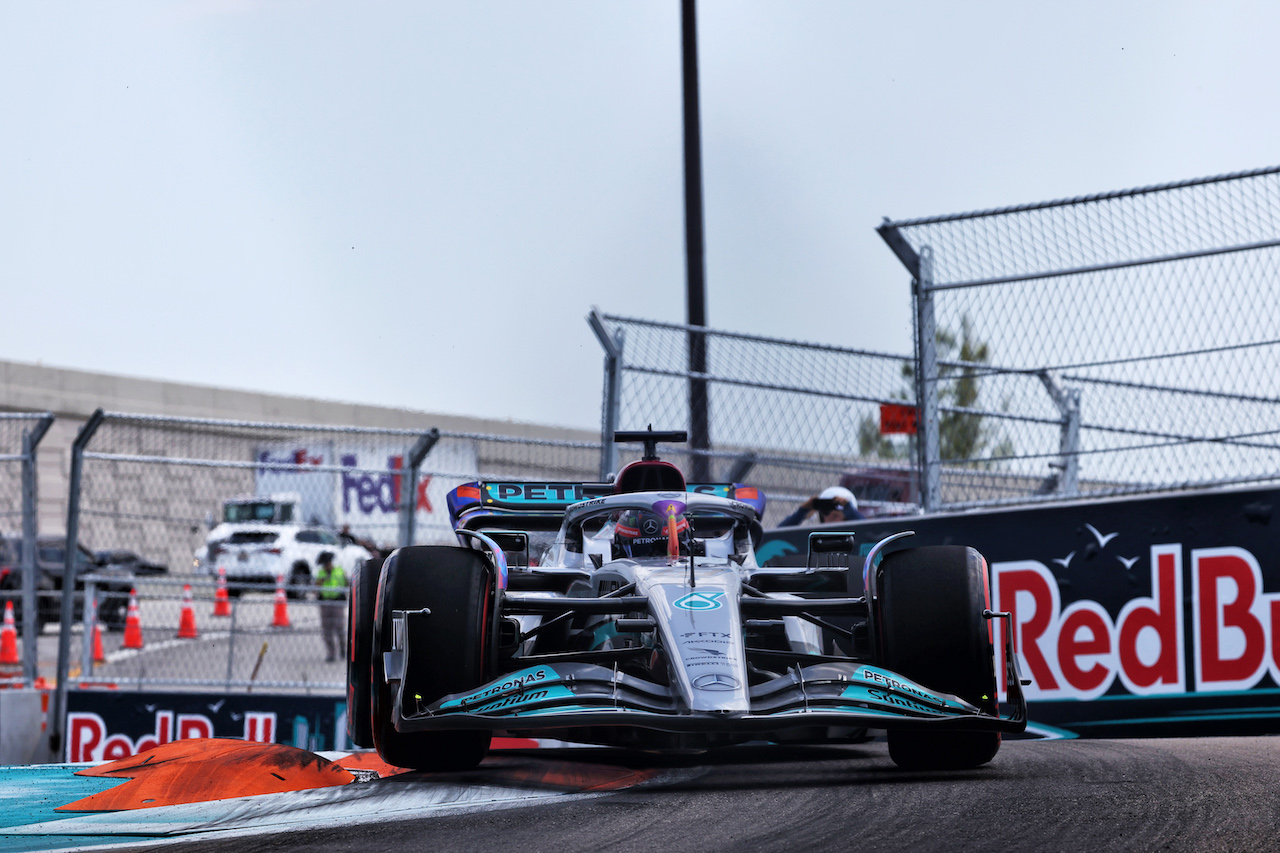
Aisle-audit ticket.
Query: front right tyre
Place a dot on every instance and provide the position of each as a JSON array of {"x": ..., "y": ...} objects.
[
  {"x": 451, "y": 654},
  {"x": 932, "y": 631},
  {"x": 364, "y": 595}
]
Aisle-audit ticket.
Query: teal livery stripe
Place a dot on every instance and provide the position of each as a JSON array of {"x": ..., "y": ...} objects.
[
  {"x": 1265, "y": 691},
  {"x": 881, "y": 698},
  {"x": 526, "y": 681},
  {"x": 550, "y": 496},
  {"x": 540, "y": 694},
  {"x": 883, "y": 687},
  {"x": 1182, "y": 717}
]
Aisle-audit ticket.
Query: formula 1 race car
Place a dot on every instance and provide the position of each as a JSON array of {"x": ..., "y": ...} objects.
[{"x": 634, "y": 614}]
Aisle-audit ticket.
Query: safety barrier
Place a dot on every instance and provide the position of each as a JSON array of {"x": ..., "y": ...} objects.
[
  {"x": 157, "y": 485},
  {"x": 1141, "y": 616}
]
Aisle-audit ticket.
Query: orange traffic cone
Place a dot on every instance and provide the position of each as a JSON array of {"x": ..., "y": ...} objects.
[
  {"x": 132, "y": 623},
  {"x": 221, "y": 602},
  {"x": 9, "y": 637},
  {"x": 98, "y": 655},
  {"x": 187, "y": 621},
  {"x": 281, "y": 617}
]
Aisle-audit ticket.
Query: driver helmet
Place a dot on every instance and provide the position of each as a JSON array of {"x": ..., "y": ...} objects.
[{"x": 639, "y": 533}]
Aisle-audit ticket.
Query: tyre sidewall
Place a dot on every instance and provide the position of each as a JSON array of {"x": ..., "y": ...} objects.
[{"x": 364, "y": 593}]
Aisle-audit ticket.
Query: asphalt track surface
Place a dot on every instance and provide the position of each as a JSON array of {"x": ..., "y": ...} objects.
[{"x": 1096, "y": 795}]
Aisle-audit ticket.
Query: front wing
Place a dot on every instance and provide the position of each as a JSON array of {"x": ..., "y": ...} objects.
[{"x": 561, "y": 695}]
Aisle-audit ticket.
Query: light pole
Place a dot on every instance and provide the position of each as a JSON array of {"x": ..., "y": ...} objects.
[{"x": 695, "y": 254}]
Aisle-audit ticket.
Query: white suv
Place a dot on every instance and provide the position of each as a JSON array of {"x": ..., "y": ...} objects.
[{"x": 259, "y": 553}]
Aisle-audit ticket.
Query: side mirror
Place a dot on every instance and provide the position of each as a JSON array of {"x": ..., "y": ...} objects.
[{"x": 830, "y": 550}]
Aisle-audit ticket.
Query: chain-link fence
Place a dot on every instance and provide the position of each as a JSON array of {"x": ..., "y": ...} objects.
[
  {"x": 253, "y": 637},
  {"x": 159, "y": 503},
  {"x": 1115, "y": 343},
  {"x": 786, "y": 416},
  {"x": 1118, "y": 343},
  {"x": 24, "y": 592},
  {"x": 160, "y": 487}
]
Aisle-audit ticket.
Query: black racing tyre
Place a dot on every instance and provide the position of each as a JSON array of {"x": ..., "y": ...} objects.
[
  {"x": 933, "y": 632},
  {"x": 364, "y": 594},
  {"x": 299, "y": 576},
  {"x": 113, "y": 609},
  {"x": 453, "y": 655}
]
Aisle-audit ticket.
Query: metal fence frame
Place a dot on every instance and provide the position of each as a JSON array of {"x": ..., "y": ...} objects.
[
  {"x": 203, "y": 593},
  {"x": 31, "y": 439},
  {"x": 507, "y": 456},
  {"x": 825, "y": 467},
  {"x": 1202, "y": 252},
  {"x": 1011, "y": 264},
  {"x": 423, "y": 441}
]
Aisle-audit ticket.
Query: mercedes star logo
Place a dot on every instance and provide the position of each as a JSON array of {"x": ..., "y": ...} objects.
[{"x": 716, "y": 681}]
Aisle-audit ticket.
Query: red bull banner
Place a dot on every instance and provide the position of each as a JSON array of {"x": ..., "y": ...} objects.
[
  {"x": 1140, "y": 616},
  {"x": 107, "y": 725}
]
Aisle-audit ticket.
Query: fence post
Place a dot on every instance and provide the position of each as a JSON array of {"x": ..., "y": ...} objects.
[
  {"x": 927, "y": 384},
  {"x": 1069, "y": 445},
  {"x": 30, "y": 532},
  {"x": 231, "y": 642},
  {"x": 88, "y": 617},
  {"x": 58, "y": 708},
  {"x": 612, "y": 392},
  {"x": 409, "y": 484},
  {"x": 1067, "y": 401}
]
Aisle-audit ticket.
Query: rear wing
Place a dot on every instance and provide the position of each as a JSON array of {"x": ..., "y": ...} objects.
[{"x": 552, "y": 499}]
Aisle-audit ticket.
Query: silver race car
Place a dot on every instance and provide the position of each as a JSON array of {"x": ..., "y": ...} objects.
[{"x": 634, "y": 614}]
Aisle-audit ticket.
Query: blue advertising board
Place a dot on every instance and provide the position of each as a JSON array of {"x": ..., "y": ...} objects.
[
  {"x": 105, "y": 725},
  {"x": 1155, "y": 615}
]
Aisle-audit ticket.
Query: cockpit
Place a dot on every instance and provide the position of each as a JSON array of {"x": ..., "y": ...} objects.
[{"x": 645, "y": 526}]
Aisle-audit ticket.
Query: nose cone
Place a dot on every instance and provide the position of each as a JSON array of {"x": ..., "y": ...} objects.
[{"x": 701, "y": 631}]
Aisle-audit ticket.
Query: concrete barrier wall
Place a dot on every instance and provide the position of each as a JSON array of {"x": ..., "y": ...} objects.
[{"x": 22, "y": 719}]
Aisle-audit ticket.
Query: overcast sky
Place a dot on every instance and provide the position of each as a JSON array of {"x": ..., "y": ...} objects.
[{"x": 416, "y": 203}]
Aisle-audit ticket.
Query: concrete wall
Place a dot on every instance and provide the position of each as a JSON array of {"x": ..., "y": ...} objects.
[
  {"x": 22, "y": 718},
  {"x": 72, "y": 395}
]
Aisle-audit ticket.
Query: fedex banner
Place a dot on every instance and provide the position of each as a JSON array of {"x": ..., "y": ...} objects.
[
  {"x": 1154, "y": 615},
  {"x": 108, "y": 725},
  {"x": 358, "y": 486}
]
